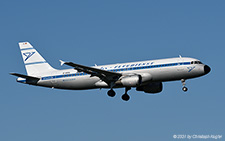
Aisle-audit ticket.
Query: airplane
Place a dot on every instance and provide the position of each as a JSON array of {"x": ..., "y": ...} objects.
[{"x": 146, "y": 76}]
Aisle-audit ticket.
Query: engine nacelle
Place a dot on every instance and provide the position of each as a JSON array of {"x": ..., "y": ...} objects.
[
  {"x": 154, "y": 87},
  {"x": 131, "y": 81}
]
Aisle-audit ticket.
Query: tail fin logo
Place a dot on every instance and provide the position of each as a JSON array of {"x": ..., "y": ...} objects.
[{"x": 28, "y": 55}]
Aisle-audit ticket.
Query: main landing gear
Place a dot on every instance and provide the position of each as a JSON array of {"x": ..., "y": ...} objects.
[
  {"x": 183, "y": 83},
  {"x": 125, "y": 96},
  {"x": 111, "y": 93}
]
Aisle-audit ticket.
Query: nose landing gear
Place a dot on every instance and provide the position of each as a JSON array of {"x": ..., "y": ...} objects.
[
  {"x": 184, "y": 89},
  {"x": 183, "y": 83}
]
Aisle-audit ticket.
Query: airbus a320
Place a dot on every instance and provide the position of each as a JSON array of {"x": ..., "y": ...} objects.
[{"x": 146, "y": 76}]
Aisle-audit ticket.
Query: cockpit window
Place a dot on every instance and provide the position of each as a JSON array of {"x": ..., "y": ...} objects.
[{"x": 196, "y": 62}]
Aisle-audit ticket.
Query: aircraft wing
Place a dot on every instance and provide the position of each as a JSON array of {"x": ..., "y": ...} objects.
[{"x": 104, "y": 75}]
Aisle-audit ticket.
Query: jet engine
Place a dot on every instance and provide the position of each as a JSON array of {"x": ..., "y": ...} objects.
[
  {"x": 131, "y": 81},
  {"x": 154, "y": 87}
]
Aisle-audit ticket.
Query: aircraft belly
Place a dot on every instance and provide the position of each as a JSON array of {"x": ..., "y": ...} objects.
[
  {"x": 45, "y": 83},
  {"x": 78, "y": 83},
  {"x": 73, "y": 83}
]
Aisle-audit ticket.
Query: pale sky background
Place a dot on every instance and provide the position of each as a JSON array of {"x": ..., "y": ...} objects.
[{"x": 104, "y": 32}]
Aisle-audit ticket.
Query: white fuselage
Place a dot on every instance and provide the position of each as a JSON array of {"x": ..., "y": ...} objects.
[{"x": 152, "y": 71}]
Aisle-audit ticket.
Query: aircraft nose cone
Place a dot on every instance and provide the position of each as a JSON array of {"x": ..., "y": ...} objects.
[{"x": 207, "y": 69}]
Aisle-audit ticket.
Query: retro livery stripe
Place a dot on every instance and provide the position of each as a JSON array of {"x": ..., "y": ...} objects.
[{"x": 118, "y": 70}]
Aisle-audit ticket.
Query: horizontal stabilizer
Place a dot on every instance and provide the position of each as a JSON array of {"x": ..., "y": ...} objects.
[{"x": 25, "y": 76}]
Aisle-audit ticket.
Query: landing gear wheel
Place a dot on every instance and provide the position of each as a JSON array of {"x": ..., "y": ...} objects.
[
  {"x": 183, "y": 83},
  {"x": 125, "y": 97},
  {"x": 111, "y": 93},
  {"x": 184, "y": 89}
]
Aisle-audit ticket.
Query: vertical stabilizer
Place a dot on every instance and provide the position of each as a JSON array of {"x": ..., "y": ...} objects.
[{"x": 35, "y": 64}]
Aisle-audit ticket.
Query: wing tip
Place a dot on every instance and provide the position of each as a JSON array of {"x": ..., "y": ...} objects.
[{"x": 61, "y": 62}]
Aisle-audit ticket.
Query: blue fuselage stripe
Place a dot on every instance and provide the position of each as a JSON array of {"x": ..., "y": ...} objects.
[{"x": 118, "y": 70}]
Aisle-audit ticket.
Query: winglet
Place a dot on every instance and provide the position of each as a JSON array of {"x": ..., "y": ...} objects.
[{"x": 61, "y": 62}]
